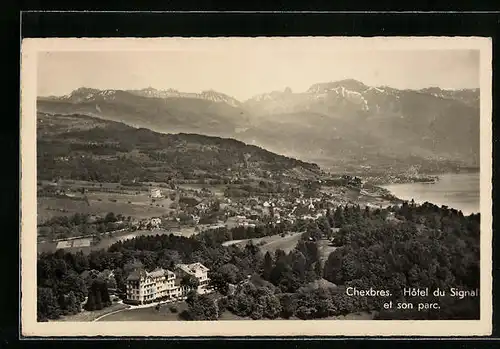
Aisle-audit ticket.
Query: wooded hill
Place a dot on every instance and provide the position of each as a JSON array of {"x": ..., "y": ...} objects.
[{"x": 86, "y": 148}]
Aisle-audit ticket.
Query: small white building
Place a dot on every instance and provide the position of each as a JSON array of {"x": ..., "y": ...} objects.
[
  {"x": 155, "y": 222},
  {"x": 199, "y": 271},
  {"x": 155, "y": 193},
  {"x": 196, "y": 219}
]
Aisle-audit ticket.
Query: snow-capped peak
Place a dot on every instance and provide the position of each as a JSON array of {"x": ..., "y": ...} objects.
[
  {"x": 376, "y": 89},
  {"x": 209, "y": 95},
  {"x": 215, "y": 96},
  {"x": 88, "y": 94},
  {"x": 348, "y": 84}
]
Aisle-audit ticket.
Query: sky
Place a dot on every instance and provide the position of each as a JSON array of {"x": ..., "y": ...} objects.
[{"x": 245, "y": 73}]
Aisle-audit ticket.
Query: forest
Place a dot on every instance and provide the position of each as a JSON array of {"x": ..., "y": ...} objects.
[
  {"x": 394, "y": 248},
  {"x": 113, "y": 152},
  {"x": 421, "y": 246}
]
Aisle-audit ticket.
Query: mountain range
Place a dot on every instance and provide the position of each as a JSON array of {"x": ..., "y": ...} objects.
[{"x": 343, "y": 125}]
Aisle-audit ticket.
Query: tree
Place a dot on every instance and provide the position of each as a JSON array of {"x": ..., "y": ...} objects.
[
  {"x": 89, "y": 276},
  {"x": 203, "y": 308},
  {"x": 72, "y": 282},
  {"x": 110, "y": 218},
  {"x": 311, "y": 252},
  {"x": 192, "y": 297},
  {"x": 288, "y": 303},
  {"x": 257, "y": 311},
  {"x": 98, "y": 300},
  {"x": 367, "y": 213},
  {"x": 318, "y": 270},
  {"x": 305, "y": 312},
  {"x": 338, "y": 217},
  {"x": 91, "y": 302},
  {"x": 219, "y": 282},
  {"x": 325, "y": 227},
  {"x": 333, "y": 267},
  {"x": 222, "y": 304},
  {"x": 81, "y": 262},
  {"x": 47, "y": 305},
  {"x": 101, "y": 228},
  {"x": 120, "y": 280},
  {"x": 242, "y": 302},
  {"x": 278, "y": 271},
  {"x": 298, "y": 261},
  {"x": 271, "y": 305},
  {"x": 268, "y": 266},
  {"x": 111, "y": 283},
  {"x": 98, "y": 296},
  {"x": 190, "y": 281},
  {"x": 215, "y": 206},
  {"x": 71, "y": 304},
  {"x": 231, "y": 273}
]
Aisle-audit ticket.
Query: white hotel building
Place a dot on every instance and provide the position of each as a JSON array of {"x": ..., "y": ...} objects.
[{"x": 161, "y": 284}]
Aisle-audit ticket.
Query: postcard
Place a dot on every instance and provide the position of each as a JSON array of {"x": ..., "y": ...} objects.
[{"x": 246, "y": 187}]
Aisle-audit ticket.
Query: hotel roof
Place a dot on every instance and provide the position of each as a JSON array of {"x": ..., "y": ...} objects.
[
  {"x": 192, "y": 268},
  {"x": 137, "y": 274},
  {"x": 140, "y": 273}
]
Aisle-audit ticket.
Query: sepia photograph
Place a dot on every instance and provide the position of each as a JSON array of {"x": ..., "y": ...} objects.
[{"x": 260, "y": 186}]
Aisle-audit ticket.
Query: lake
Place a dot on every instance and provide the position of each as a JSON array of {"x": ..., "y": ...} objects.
[{"x": 455, "y": 190}]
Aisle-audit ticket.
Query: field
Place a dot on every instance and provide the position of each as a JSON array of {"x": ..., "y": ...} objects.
[
  {"x": 287, "y": 243},
  {"x": 100, "y": 204},
  {"x": 217, "y": 189},
  {"x": 165, "y": 314},
  {"x": 101, "y": 199},
  {"x": 271, "y": 243},
  {"x": 325, "y": 249},
  {"x": 86, "y": 316},
  {"x": 148, "y": 313},
  {"x": 107, "y": 241}
]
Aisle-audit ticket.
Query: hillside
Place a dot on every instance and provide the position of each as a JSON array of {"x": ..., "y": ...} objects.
[
  {"x": 167, "y": 112},
  {"x": 346, "y": 123},
  {"x": 88, "y": 148}
]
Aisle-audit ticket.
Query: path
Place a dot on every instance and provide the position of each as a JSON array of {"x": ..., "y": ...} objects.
[
  {"x": 132, "y": 307},
  {"x": 113, "y": 312}
]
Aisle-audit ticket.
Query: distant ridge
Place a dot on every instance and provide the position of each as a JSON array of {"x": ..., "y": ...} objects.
[
  {"x": 88, "y": 148},
  {"x": 344, "y": 123}
]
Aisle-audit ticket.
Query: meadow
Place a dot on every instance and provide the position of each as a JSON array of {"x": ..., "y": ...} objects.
[
  {"x": 270, "y": 243},
  {"x": 288, "y": 243},
  {"x": 217, "y": 189},
  {"x": 165, "y": 314},
  {"x": 99, "y": 199},
  {"x": 87, "y": 316}
]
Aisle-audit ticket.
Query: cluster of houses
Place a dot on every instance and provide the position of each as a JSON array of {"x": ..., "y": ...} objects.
[
  {"x": 164, "y": 285},
  {"x": 146, "y": 224},
  {"x": 250, "y": 211}
]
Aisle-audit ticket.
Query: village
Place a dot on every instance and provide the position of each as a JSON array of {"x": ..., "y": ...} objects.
[{"x": 189, "y": 209}]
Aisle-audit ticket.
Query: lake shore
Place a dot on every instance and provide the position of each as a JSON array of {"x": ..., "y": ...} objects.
[{"x": 455, "y": 190}]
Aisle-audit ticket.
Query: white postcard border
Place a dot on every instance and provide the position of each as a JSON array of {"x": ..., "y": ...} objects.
[{"x": 282, "y": 328}]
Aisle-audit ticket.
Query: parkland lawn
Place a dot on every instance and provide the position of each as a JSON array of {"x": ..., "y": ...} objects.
[{"x": 166, "y": 314}]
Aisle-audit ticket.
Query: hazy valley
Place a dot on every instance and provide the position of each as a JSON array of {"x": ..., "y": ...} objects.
[{"x": 345, "y": 126}]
